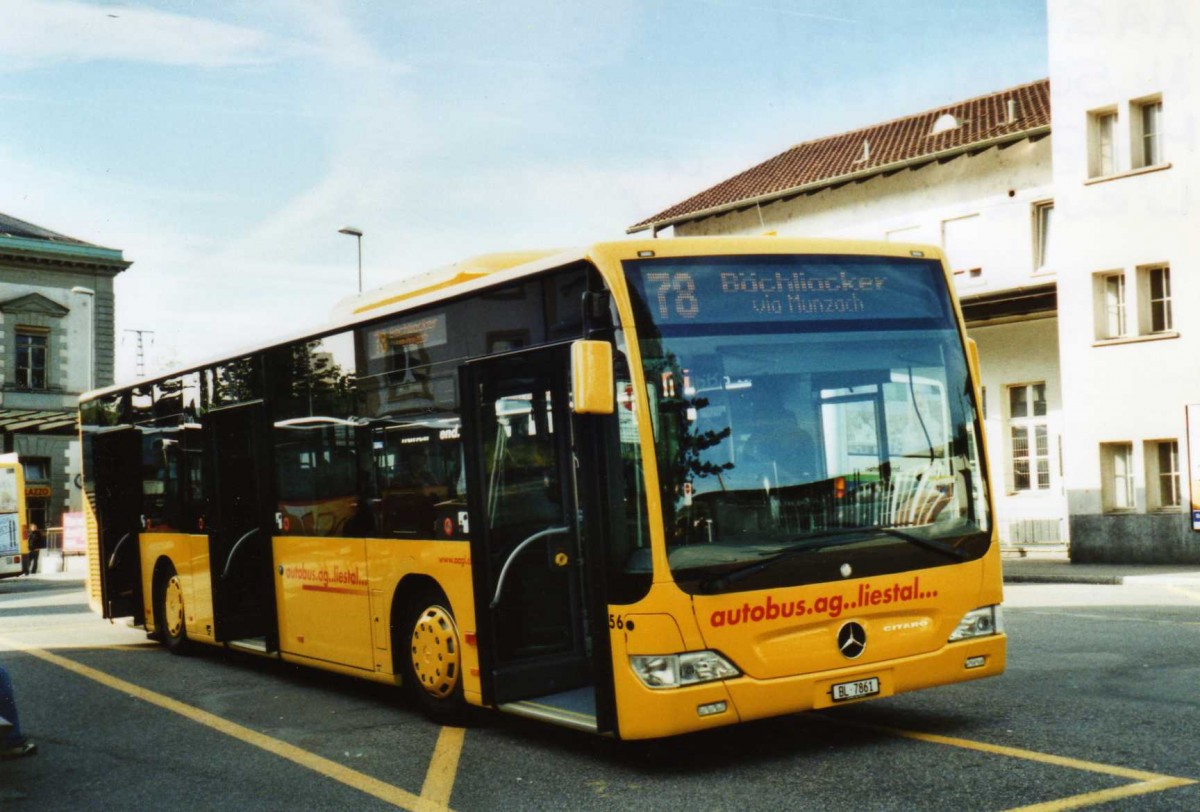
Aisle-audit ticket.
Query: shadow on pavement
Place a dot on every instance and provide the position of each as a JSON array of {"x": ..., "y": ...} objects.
[{"x": 33, "y": 585}]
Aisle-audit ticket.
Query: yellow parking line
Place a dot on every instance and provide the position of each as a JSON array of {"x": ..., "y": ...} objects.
[
  {"x": 1106, "y": 795},
  {"x": 1147, "y": 782},
  {"x": 443, "y": 767},
  {"x": 330, "y": 769},
  {"x": 1027, "y": 755}
]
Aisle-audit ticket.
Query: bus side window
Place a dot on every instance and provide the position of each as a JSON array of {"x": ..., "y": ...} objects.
[
  {"x": 418, "y": 468},
  {"x": 317, "y": 479},
  {"x": 193, "y": 472},
  {"x": 162, "y": 500}
]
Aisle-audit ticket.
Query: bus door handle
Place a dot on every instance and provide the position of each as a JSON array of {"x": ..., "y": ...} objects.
[
  {"x": 233, "y": 552},
  {"x": 541, "y": 534},
  {"x": 112, "y": 559}
]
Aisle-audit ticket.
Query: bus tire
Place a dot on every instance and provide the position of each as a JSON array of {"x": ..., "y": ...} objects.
[
  {"x": 169, "y": 615},
  {"x": 432, "y": 657}
]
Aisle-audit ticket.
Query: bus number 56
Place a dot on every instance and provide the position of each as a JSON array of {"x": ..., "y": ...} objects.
[{"x": 678, "y": 286}]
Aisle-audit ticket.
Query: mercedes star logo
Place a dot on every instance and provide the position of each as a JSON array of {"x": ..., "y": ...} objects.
[{"x": 851, "y": 640}]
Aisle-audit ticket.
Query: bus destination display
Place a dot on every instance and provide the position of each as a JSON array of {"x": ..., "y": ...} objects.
[{"x": 749, "y": 289}]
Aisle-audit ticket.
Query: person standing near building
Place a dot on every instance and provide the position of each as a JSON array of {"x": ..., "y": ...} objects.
[{"x": 37, "y": 541}]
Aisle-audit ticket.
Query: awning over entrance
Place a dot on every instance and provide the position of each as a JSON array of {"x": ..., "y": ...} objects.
[
  {"x": 1011, "y": 304},
  {"x": 36, "y": 420}
]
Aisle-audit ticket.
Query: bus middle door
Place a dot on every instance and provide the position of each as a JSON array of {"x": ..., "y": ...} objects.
[
  {"x": 526, "y": 540},
  {"x": 239, "y": 524}
]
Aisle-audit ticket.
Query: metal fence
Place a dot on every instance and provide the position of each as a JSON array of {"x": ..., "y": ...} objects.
[{"x": 1025, "y": 532}]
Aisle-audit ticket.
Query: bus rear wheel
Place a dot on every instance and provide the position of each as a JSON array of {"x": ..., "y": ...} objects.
[
  {"x": 433, "y": 659},
  {"x": 169, "y": 613}
]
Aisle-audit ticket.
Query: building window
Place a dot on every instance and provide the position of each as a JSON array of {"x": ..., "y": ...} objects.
[
  {"x": 945, "y": 123},
  {"x": 1043, "y": 217},
  {"x": 1102, "y": 157},
  {"x": 31, "y": 358},
  {"x": 1147, "y": 141},
  {"x": 1155, "y": 290},
  {"x": 1162, "y": 475},
  {"x": 962, "y": 239},
  {"x": 37, "y": 469},
  {"x": 1116, "y": 471},
  {"x": 1029, "y": 435},
  {"x": 1110, "y": 305}
]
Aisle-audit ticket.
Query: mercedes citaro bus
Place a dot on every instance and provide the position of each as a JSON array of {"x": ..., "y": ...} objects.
[{"x": 639, "y": 489}]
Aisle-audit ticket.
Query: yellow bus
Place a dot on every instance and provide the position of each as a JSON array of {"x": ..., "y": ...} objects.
[
  {"x": 638, "y": 489},
  {"x": 14, "y": 531}
]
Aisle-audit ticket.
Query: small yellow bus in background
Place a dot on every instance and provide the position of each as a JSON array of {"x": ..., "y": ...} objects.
[
  {"x": 14, "y": 545},
  {"x": 639, "y": 489}
]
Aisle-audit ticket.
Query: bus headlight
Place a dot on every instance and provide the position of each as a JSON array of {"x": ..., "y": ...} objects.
[
  {"x": 981, "y": 622},
  {"x": 677, "y": 670}
]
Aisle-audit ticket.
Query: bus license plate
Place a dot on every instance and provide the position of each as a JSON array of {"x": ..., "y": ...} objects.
[{"x": 855, "y": 690}]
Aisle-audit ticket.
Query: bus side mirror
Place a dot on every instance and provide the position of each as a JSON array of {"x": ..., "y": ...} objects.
[{"x": 592, "y": 377}]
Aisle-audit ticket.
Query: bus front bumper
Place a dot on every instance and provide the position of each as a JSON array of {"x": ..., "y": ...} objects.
[{"x": 647, "y": 713}]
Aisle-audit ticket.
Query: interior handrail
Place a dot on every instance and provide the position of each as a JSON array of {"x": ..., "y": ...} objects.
[
  {"x": 549, "y": 531},
  {"x": 112, "y": 559},
  {"x": 233, "y": 552}
]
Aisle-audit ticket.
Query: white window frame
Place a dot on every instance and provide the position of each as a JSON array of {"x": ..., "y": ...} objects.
[
  {"x": 1156, "y": 313},
  {"x": 1164, "y": 486},
  {"x": 973, "y": 266},
  {"x": 1043, "y": 232},
  {"x": 1102, "y": 142},
  {"x": 1117, "y": 485},
  {"x": 1111, "y": 305},
  {"x": 1147, "y": 132},
  {"x": 1033, "y": 427},
  {"x": 31, "y": 358}
]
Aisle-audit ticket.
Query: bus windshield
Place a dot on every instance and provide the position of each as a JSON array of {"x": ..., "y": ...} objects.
[{"x": 813, "y": 418}]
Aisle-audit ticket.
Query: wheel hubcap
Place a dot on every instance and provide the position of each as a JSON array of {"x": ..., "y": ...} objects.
[
  {"x": 435, "y": 654},
  {"x": 173, "y": 606}
]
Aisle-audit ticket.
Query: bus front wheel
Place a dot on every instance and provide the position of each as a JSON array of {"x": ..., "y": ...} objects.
[
  {"x": 169, "y": 613},
  {"x": 433, "y": 661}
]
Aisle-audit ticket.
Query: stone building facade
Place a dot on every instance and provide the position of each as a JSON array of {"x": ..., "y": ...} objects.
[{"x": 56, "y": 341}]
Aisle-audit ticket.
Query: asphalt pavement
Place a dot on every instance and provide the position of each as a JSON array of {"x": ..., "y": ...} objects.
[{"x": 1097, "y": 706}]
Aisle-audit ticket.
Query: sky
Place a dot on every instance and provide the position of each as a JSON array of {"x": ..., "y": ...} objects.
[{"x": 221, "y": 145}]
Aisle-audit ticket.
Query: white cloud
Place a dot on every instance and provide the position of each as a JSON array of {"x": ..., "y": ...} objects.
[{"x": 36, "y": 32}]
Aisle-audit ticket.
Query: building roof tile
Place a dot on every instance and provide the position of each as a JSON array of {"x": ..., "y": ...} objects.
[{"x": 1007, "y": 115}]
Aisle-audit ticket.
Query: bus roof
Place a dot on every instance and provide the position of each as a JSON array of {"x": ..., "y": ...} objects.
[{"x": 486, "y": 270}]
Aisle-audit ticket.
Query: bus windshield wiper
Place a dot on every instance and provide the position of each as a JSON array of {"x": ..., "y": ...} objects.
[
  {"x": 828, "y": 538},
  {"x": 942, "y": 547}
]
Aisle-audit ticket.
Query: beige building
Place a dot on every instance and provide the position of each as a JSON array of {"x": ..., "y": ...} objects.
[
  {"x": 1072, "y": 259},
  {"x": 56, "y": 341},
  {"x": 1126, "y": 171}
]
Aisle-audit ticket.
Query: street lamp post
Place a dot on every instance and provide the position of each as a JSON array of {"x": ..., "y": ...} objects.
[
  {"x": 91, "y": 334},
  {"x": 356, "y": 233}
]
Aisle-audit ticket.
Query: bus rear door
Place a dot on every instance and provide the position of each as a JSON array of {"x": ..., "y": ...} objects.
[
  {"x": 117, "y": 457},
  {"x": 525, "y": 534}
]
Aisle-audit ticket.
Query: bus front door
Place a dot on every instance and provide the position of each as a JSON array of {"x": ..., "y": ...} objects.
[
  {"x": 117, "y": 457},
  {"x": 525, "y": 533},
  {"x": 239, "y": 525}
]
